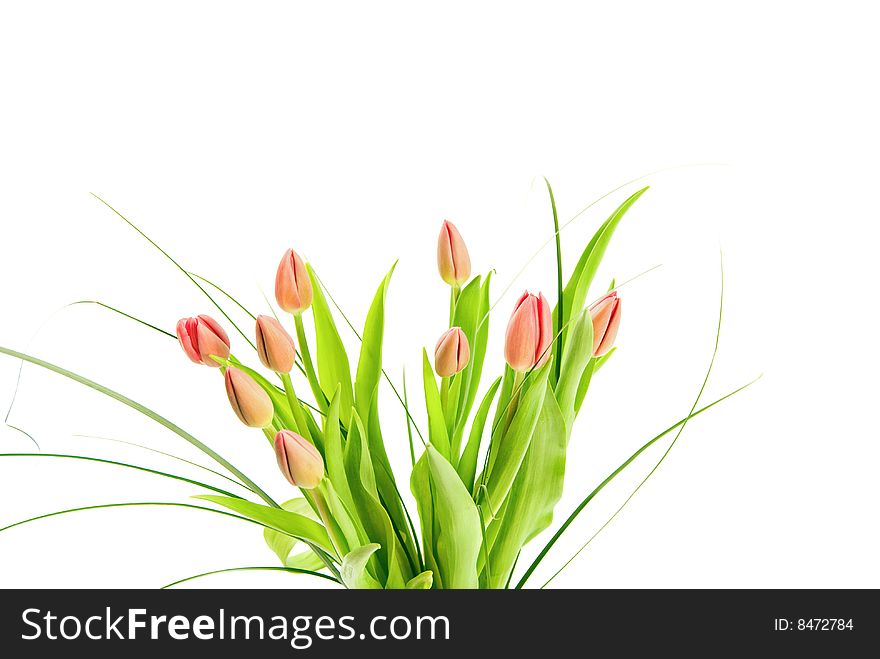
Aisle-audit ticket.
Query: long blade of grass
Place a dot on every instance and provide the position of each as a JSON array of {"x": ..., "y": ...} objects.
[
  {"x": 674, "y": 439},
  {"x": 613, "y": 474},
  {"x": 588, "y": 207},
  {"x": 125, "y": 505},
  {"x": 223, "y": 292},
  {"x": 167, "y": 455},
  {"x": 560, "y": 302},
  {"x": 179, "y": 267},
  {"x": 148, "y": 413},
  {"x": 120, "y": 464},
  {"x": 246, "y": 569},
  {"x": 126, "y": 315}
]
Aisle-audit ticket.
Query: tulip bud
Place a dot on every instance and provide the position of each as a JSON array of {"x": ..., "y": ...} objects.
[
  {"x": 452, "y": 353},
  {"x": 453, "y": 260},
  {"x": 293, "y": 288},
  {"x": 274, "y": 345},
  {"x": 606, "y": 319},
  {"x": 201, "y": 337},
  {"x": 529, "y": 333},
  {"x": 249, "y": 402},
  {"x": 298, "y": 460}
]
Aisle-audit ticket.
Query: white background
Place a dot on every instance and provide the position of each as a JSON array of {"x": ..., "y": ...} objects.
[{"x": 231, "y": 131}]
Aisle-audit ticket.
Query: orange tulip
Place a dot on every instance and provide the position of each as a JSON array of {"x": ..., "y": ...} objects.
[
  {"x": 274, "y": 345},
  {"x": 298, "y": 460},
  {"x": 606, "y": 319},
  {"x": 453, "y": 259},
  {"x": 293, "y": 288},
  {"x": 452, "y": 353},
  {"x": 249, "y": 402},
  {"x": 201, "y": 337},
  {"x": 529, "y": 333}
]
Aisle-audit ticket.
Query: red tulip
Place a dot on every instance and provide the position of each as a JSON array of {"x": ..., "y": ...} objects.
[
  {"x": 248, "y": 399},
  {"x": 274, "y": 345},
  {"x": 298, "y": 460},
  {"x": 201, "y": 337},
  {"x": 452, "y": 353},
  {"x": 293, "y": 288},
  {"x": 453, "y": 259},
  {"x": 606, "y": 319},
  {"x": 529, "y": 333}
]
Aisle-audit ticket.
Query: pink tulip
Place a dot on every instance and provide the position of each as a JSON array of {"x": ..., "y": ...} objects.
[
  {"x": 606, "y": 319},
  {"x": 298, "y": 460},
  {"x": 453, "y": 260},
  {"x": 293, "y": 288},
  {"x": 248, "y": 399},
  {"x": 201, "y": 337},
  {"x": 452, "y": 353},
  {"x": 529, "y": 333},
  {"x": 274, "y": 345}
]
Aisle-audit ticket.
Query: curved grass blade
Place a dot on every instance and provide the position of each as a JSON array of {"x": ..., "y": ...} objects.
[
  {"x": 179, "y": 267},
  {"x": 124, "y": 505},
  {"x": 122, "y": 313},
  {"x": 613, "y": 474},
  {"x": 120, "y": 464},
  {"x": 223, "y": 292},
  {"x": 245, "y": 569},
  {"x": 146, "y": 412},
  {"x": 584, "y": 210},
  {"x": 167, "y": 455},
  {"x": 560, "y": 304}
]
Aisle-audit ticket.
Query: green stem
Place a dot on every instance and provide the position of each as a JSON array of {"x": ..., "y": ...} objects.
[
  {"x": 453, "y": 301},
  {"x": 299, "y": 415},
  {"x": 301, "y": 338}
]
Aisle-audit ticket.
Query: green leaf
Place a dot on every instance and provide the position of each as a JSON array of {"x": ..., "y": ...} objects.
[
  {"x": 423, "y": 581},
  {"x": 578, "y": 353},
  {"x": 423, "y": 491},
  {"x": 354, "y": 569},
  {"x": 436, "y": 421},
  {"x": 369, "y": 369},
  {"x": 333, "y": 365},
  {"x": 508, "y": 450},
  {"x": 535, "y": 491},
  {"x": 370, "y": 512},
  {"x": 294, "y": 524},
  {"x": 281, "y": 543},
  {"x": 148, "y": 413},
  {"x": 576, "y": 290},
  {"x": 334, "y": 456},
  {"x": 458, "y": 536},
  {"x": 306, "y": 561},
  {"x": 467, "y": 466}
]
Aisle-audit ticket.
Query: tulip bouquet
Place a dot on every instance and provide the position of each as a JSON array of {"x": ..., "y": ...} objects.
[{"x": 490, "y": 467}]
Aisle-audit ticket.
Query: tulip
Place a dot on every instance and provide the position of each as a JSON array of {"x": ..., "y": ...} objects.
[
  {"x": 274, "y": 345},
  {"x": 248, "y": 399},
  {"x": 293, "y": 288},
  {"x": 298, "y": 460},
  {"x": 453, "y": 260},
  {"x": 201, "y": 337},
  {"x": 606, "y": 319},
  {"x": 452, "y": 353},
  {"x": 529, "y": 333}
]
